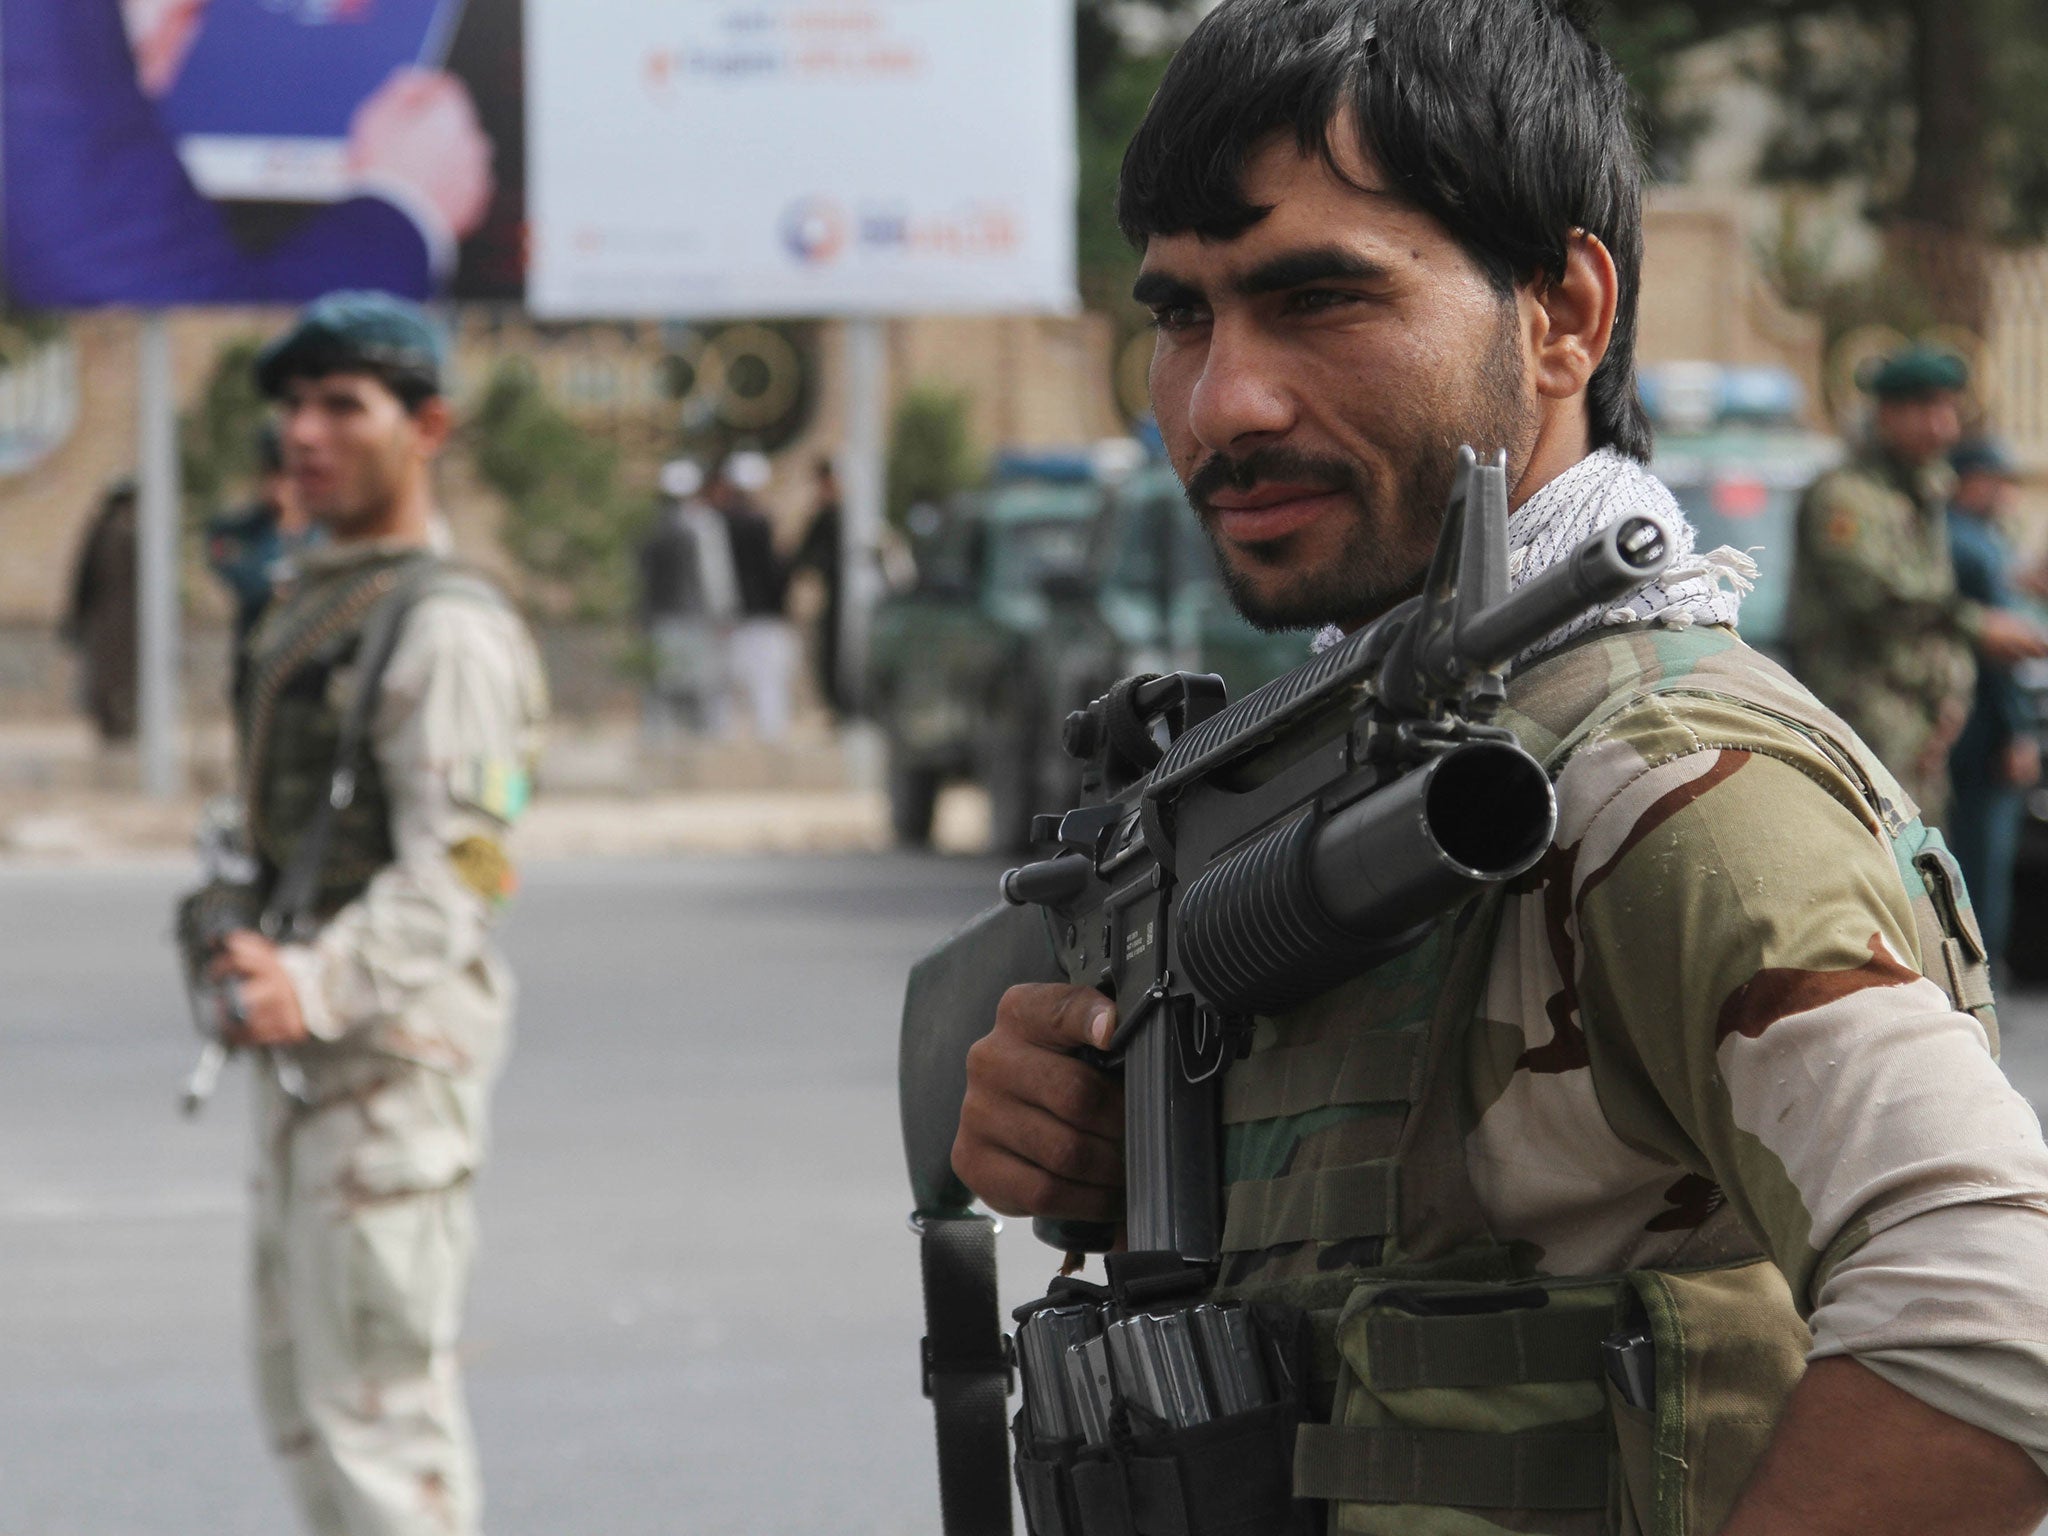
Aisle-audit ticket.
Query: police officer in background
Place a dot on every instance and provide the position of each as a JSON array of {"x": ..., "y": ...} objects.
[
  {"x": 250, "y": 550},
  {"x": 1876, "y": 626},
  {"x": 380, "y": 1006},
  {"x": 1715, "y": 1076},
  {"x": 1997, "y": 758}
]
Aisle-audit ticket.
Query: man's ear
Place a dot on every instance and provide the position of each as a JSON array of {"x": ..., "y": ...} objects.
[
  {"x": 1572, "y": 318},
  {"x": 434, "y": 422}
]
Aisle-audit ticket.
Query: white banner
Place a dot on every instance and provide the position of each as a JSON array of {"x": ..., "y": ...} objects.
[{"x": 800, "y": 157}]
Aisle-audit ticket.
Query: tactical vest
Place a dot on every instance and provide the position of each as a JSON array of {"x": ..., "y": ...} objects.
[
  {"x": 299, "y": 677},
  {"x": 1460, "y": 1391}
]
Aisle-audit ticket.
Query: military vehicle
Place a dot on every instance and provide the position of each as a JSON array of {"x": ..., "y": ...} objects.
[
  {"x": 1161, "y": 595},
  {"x": 1732, "y": 445},
  {"x": 965, "y": 672},
  {"x": 1033, "y": 595}
]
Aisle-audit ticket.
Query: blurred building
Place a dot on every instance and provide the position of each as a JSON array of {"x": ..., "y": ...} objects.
[
  {"x": 1705, "y": 300},
  {"x": 68, "y": 413},
  {"x": 1031, "y": 382}
]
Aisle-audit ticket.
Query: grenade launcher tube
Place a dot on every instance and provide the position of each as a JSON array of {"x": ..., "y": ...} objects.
[
  {"x": 1319, "y": 900},
  {"x": 1481, "y": 813}
]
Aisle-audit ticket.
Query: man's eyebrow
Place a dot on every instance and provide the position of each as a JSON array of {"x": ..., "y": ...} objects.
[
  {"x": 1291, "y": 269},
  {"x": 1319, "y": 264},
  {"x": 1158, "y": 289}
]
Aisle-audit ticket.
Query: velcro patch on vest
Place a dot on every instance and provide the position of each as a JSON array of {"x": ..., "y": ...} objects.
[
  {"x": 482, "y": 864},
  {"x": 499, "y": 787}
]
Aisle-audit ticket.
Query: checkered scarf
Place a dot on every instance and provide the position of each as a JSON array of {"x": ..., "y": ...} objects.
[{"x": 1593, "y": 494}]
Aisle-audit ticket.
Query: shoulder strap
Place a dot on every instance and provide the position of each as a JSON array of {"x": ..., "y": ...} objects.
[
  {"x": 291, "y": 903},
  {"x": 967, "y": 1362}
]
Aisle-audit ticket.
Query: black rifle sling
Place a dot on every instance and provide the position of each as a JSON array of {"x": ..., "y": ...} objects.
[
  {"x": 298, "y": 886},
  {"x": 968, "y": 1372},
  {"x": 949, "y": 1003}
]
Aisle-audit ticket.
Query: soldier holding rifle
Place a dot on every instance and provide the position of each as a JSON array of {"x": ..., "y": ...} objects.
[
  {"x": 388, "y": 712},
  {"x": 1719, "y": 1068}
]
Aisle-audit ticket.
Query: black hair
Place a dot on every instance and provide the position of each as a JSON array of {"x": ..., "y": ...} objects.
[
  {"x": 320, "y": 354},
  {"x": 1504, "y": 120}
]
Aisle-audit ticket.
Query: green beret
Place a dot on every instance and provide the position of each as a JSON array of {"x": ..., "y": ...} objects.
[
  {"x": 1918, "y": 371},
  {"x": 356, "y": 332}
]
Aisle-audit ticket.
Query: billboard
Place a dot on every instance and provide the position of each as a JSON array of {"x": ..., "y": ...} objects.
[
  {"x": 800, "y": 157},
  {"x": 231, "y": 151}
]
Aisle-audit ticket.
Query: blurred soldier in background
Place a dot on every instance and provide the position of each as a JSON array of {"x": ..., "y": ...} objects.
[
  {"x": 763, "y": 652},
  {"x": 375, "y": 992},
  {"x": 820, "y": 552},
  {"x": 250, "y": 550},
  {"x": 1876, "y": 627},
  {"x": 100, "y": 619},
  {"x": 689, "y": 598},
  {"x": 1997, "y": 759}
]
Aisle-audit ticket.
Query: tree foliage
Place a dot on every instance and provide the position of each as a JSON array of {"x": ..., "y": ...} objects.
[
  {"x": 567, "y": 522},
  {"x": 1888, "y": 92},
  {"x": 931, "y": 453},
  {"x": 1935, "y": 111},
  {"x": 1121, "y": 53},
  {"x": 217, "y": 436}
]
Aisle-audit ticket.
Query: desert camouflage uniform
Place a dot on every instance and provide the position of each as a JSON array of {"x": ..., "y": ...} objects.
[
  {"x": 1695, "y": 1051},
  {"x": 363, "y": 1225},
  {"x": 1876, "y": 627}
]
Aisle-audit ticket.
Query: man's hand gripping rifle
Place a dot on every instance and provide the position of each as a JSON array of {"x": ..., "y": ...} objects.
[
  {"x": 224, "y": 904},
  {"x": 1226, "y": 861},
  {"x": 1233, "y": 861}
]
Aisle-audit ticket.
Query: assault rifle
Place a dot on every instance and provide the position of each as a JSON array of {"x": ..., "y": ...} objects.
[
  {"x": 205, "y": 918},
  {"x": 1226, "y": 861}
]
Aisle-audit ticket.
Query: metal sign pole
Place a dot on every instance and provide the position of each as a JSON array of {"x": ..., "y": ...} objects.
[
  {"x": 156, "y": 538},
  {"x": 864, "y": 371}
]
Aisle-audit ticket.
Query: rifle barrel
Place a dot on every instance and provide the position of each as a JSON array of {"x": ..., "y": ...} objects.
[{"x": 1609, "y": 566}]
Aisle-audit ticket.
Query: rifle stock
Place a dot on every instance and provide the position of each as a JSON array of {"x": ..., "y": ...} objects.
[{"x": 949, "y": 1004}]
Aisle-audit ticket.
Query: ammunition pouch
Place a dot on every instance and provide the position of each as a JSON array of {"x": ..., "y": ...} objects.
[
  {"x": 1225, "y": 1478},
  {"x": 1632, "y": 1405},
  {"x": 1195, "y": 1422}
]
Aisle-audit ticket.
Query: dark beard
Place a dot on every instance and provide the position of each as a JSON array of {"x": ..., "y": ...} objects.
[{"x": 1374, "y": 570}]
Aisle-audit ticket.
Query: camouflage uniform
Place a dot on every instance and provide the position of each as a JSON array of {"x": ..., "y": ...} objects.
[
  {"x": 363, "y": 1222},
  {"x": 1877, "y": 629},
  {"x": 1691, "y": 1069}
]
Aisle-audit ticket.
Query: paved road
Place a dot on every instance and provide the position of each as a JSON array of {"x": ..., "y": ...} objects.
[
  {"x": 697, "y": 1307},
  {"x": 696, "y": 1313}
]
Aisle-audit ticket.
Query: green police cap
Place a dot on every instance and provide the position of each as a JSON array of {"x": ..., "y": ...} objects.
[
  {"x": 1918, "y": 371},
  {"x": 357, "y": 332}
]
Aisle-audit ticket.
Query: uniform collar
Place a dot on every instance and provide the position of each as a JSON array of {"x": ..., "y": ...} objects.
[
  {"x": 1930, "y": 486},
  {"x": 332, "y": 555}
]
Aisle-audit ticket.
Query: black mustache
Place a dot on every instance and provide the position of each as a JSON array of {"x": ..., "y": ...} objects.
[{"x": 1221, "y": 472}]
